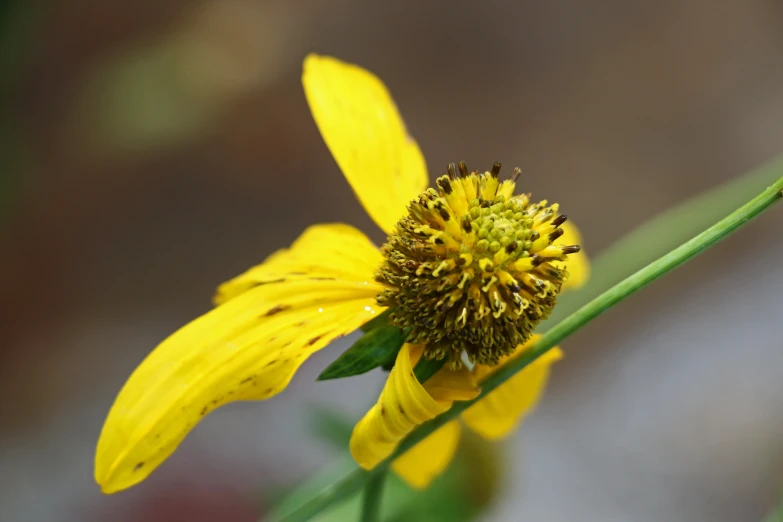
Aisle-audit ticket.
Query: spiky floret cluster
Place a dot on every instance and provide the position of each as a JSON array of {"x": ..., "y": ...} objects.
[{"x": 469, "y": 269}]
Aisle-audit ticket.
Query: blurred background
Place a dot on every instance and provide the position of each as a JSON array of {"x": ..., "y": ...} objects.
[{"x": 153, "y": 149}]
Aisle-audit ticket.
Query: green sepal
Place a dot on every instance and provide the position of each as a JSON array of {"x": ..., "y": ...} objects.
[
  {"x": 426, "y": 368},
  {"x": 378, "y": 347}
]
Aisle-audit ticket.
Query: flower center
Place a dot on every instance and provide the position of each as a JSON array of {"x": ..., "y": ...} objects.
[{"x": 473, "y": 268}]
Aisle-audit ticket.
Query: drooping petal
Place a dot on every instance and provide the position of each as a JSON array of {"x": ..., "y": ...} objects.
[
  {"x": 248, "y": 348},
  {"x": 421, "y": 464},
  {"x": 497, "y": 414},
  {"x": 404, "y": 404},
  {"x": 324, "y": 251},
  {"x": 361, "y": 126},
  {"x": 578, "y": 265}
]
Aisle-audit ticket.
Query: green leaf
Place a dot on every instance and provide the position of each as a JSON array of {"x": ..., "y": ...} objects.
[
  {"x": 378, "y": 321},
  {"x": 378, "y": 347}
]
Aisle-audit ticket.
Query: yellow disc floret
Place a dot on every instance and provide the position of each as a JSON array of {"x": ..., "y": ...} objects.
[{"x": 468, "y": 269}]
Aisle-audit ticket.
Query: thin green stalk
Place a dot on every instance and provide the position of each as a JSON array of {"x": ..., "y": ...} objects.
[
  {"x": 341, "y": 489},
  {"x": 662, "y": 233},
  {"x": 373, "y": 495},
  {"x": 680, "y": 255}
]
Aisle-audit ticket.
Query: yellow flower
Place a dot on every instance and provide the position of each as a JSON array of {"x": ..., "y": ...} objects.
[{"x": 270, "y": 319}]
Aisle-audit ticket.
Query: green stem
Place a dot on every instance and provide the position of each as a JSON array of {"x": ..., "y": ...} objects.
[
  {"x": 680, "y": 255},
  {"x": 373, "y": 494},
  {"x": 662, "y": 233}
]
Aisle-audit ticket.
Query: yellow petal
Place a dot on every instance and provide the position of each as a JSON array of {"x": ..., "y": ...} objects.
[
  {"x": 494, "y": 416},
  {"x": 361, "y": 126},
  {"x": 578, "y": 265},
  {"x": 334, "y": 250},
  {"x": 403, "y": 405},
  {"x": 245, "y": 349},
  {"x": 426, "y": 460}
]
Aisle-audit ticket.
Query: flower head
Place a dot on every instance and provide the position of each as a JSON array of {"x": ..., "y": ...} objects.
[{"x": 471, "y": 268}]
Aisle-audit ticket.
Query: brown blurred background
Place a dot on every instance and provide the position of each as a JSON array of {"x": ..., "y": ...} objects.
[{"x": 151, "y": 150}]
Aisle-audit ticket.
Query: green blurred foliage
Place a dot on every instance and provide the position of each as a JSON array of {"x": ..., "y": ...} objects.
[
  {"x": 460, "y": 494},
  {"x": 15, "y": 45}
]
